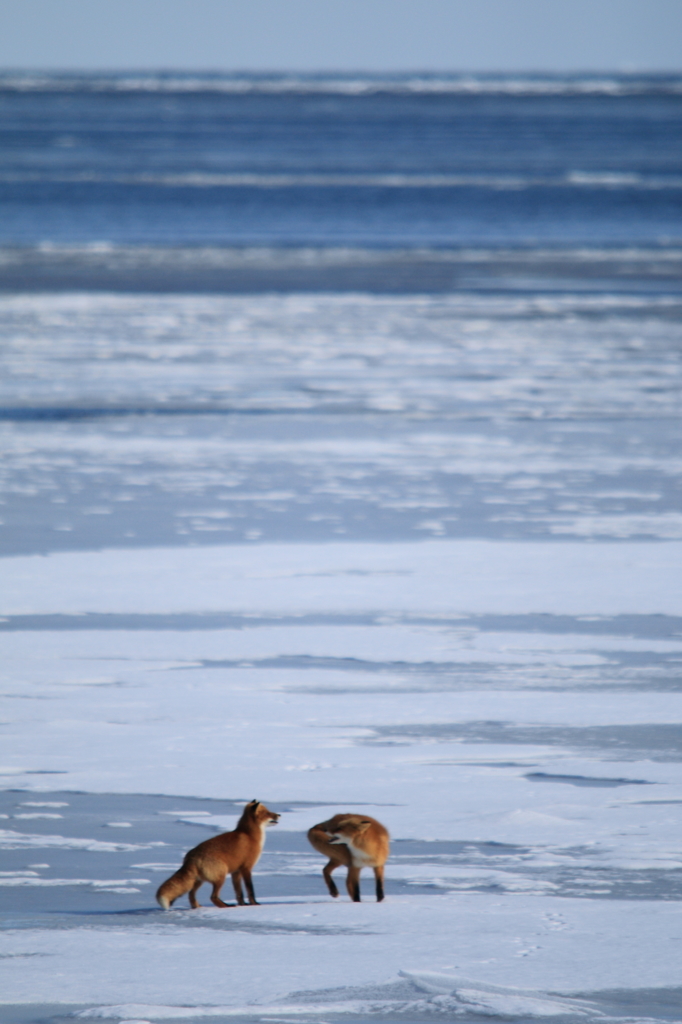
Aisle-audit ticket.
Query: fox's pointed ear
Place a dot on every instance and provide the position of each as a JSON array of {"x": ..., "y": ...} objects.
[
  {"x": 363, "y": 826},
  {"x": 254, "y": 804}
]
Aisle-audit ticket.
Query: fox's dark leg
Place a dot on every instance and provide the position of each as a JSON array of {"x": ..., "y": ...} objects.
[
  {"x": 330, "y": 866},
  {"x": 353, "y": 883},
  {"x": 215, "y": 894},
  {"x": 246, "y": 875},
  {"x": 237, "y": 883},
  {"x": 379, "y": 875},
  {"x": 194, "y": 904}
]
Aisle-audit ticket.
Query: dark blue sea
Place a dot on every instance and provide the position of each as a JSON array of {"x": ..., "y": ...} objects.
[{"x": 413, "y": 161}]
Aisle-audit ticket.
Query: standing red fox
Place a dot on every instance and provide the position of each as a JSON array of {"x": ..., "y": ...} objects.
[
  {"x": 232, "y": 853},
  {"x": 356, "y": 841}
]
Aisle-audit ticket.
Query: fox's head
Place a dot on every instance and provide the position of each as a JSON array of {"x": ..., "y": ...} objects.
[
  {"x": 261, "y": 814},
  {"x": 348, "y": 830}
]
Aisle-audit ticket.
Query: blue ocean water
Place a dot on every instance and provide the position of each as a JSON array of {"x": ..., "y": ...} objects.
[{"x": 380, "y": 162}]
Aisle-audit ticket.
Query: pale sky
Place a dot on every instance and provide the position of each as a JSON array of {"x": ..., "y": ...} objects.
[{"x": 351, "y": 35}]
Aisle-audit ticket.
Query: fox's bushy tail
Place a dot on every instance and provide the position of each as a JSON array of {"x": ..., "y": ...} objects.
[{"x": 177, "y": 885}]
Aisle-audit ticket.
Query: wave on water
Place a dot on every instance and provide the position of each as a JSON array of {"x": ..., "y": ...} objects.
[
  {"x": 203, "y": 179},
  {"x": 334, "y": 255},
  {"x": 348, "y": 84}
]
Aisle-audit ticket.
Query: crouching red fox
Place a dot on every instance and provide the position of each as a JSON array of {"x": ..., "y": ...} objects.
[
  {"x": 232, "y": 853},
  {"x": 356, "y": 841}
]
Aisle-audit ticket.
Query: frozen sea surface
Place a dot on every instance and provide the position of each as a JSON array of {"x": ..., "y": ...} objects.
[
  {"x": 417, "y": 556},
  {"x": 142, "y": 420}
]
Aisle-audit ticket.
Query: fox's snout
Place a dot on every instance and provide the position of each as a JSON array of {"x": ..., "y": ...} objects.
[{"x": 273, "y": 819}]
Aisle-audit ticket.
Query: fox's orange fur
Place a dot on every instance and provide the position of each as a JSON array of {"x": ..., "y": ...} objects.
[
  {"x": 232, "y": 853},
  {"x": 357, "y": 841}
]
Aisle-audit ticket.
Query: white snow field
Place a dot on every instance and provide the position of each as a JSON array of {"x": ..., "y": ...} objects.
[{"x": 455, "y": 608}]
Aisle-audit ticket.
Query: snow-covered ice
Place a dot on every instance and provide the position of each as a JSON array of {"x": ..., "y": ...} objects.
[
  {"x": 420, "y": 560},
  {"x": 311, "y": 958}
]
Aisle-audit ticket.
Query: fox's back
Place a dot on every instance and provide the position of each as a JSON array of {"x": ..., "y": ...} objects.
[
  {"x": 318, "y": 837},
  {"x": 233, "y": 849}
]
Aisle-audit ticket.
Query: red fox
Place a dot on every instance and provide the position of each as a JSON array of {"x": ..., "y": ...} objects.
[
  {"x": 234, "y": 853},
  {"x": 356, "y": 841}
]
